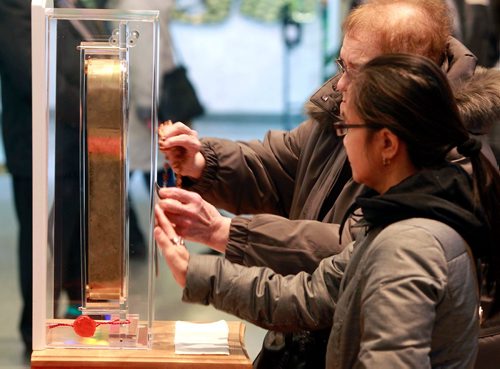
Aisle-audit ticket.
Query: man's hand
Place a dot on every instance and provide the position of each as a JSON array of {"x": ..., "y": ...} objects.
[
  {"x": 194, "y": 218},
  {"x": 181, "y": 146}
]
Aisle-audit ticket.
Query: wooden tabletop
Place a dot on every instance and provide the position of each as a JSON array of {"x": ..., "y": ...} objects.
[{"x": 162, "y": 355}]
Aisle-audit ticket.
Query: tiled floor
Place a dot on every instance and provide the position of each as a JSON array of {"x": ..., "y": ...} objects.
[{"x": 168, "y": 304}]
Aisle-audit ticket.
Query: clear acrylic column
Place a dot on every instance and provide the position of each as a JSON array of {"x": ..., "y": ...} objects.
[{"x": 82, "y": 138}]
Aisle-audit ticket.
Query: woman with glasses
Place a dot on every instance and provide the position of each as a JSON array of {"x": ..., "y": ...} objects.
[
  {"x": 297, "y": 184},
  {"x": 405, "y": 292}
]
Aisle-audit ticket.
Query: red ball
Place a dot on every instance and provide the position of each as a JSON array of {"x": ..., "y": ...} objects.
[{"x": 84, "y": 326}]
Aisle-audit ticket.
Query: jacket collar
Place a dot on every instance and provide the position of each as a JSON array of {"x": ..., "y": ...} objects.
[
  {"x": 443, "y": 194},
  {"x": 459, "y": 62}
]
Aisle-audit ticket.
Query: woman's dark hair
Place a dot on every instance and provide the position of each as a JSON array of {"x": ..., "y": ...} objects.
[{"x": 411, "y": 96}]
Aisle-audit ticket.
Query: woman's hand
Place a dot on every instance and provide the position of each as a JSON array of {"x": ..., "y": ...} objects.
[
  {"x": 181, "y": 147},
  {"x": 194, "y": 218},
  {"x": 175, "y": 254}
]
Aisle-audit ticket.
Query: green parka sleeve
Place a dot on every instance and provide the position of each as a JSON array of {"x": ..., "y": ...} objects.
[{"x": 260, "y": 296}]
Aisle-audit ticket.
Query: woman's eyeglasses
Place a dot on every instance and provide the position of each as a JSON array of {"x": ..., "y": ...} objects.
[{"x": 341, "y": 127}]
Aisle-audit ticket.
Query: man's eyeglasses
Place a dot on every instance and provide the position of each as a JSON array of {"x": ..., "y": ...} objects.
[
  {"x": 343, "y": 68},
  {"x": 341, "y": 127}
]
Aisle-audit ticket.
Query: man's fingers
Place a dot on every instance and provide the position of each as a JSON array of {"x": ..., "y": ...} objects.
[
  {"x": 189, "y": 142},
  {"x": 183, "y": 196},
  {"x": 168, "y": 131},
  {"x": 171, "y": 206}
]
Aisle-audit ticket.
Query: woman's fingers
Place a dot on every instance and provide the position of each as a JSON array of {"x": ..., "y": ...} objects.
[
  {"x": 176, "y": 257},
  {"x": 164, "y": 224}
]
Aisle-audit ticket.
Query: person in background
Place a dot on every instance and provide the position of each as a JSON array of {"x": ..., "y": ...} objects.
[
  {"x": 297, "y": 184},
  {"x": 477, "y": 24},
  {"x": 405, "y": 292},
  {"x": 15, "y": 75},
  {"x": 140, "y": 109}
]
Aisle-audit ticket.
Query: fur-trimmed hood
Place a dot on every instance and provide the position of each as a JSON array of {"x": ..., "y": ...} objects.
[
  {"x": 476, "y": 89},
  {"x": 478, "y": 100}
]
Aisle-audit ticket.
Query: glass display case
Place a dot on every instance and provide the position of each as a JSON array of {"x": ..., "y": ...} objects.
[{"x": 87, "y": 292}]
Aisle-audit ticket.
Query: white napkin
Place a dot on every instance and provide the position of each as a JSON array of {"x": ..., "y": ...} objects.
[{"x": 201, "y": 338}]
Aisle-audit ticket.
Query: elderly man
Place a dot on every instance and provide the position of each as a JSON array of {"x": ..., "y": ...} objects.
[{"x": 301, "y": 179}]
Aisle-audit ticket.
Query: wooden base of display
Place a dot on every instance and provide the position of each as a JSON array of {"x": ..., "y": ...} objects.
[{"x": 162, "y": 355}]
